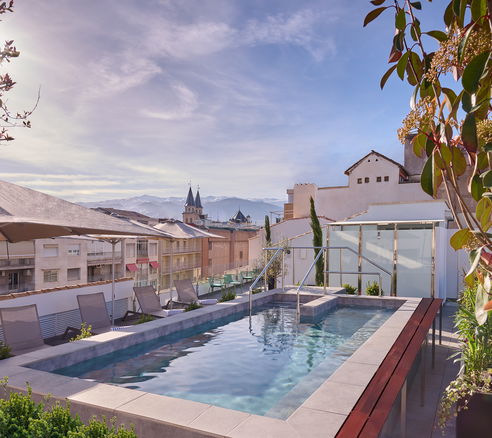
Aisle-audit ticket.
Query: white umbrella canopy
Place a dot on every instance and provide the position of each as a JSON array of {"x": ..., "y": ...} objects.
[
  {"x": 180, "y": 230},
  {"x": 27, "y": 214}
]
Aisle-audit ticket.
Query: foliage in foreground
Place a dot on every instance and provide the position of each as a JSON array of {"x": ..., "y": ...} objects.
[
  {"x": 21, "y": 417},
  {"x": 450, "y": 70}
]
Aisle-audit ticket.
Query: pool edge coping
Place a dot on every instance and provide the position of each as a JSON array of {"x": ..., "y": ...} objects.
[{"x": 200, "y": 418}]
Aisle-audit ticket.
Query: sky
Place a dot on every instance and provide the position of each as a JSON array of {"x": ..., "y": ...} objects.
[{"x": 241, "y": 97}]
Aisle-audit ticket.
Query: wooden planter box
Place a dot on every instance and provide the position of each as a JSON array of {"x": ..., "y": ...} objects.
[{"x": 476, "y": 421}]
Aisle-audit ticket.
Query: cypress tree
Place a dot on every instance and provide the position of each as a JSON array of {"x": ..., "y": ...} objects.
[{"x": 317, "y": 241}]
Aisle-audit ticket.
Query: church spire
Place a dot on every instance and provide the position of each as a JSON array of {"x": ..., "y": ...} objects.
[
  {"x": 198, "y": 201},
  {"x": 190, "y": 202}
]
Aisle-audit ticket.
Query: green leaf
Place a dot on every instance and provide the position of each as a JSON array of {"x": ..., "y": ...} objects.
[
  {"x": 458, "y": 162},
  {"x": 438, "y": 35},
  {"x": 487, "y": 179},
  {"x": 416, "y": 5},
  {"x": 476, "y": 187},
  {"x": 429, "y": 146},
  {"x": 469, "y": 133},
  {"x": 478, "y": 9},
  {"x": 483, "y": 209},
  {"x": 377, "y": 2},
  {"x": 474, "y": 260},
  {"x": 400, "y": 19},
  {"x": 387, "y": 75},
  {"x": 419, "y": 145},
  {"x": 474, "y": 71},
  {"x": 402, "y": 65},
  {"x": 466, "y": 102},
  {"x": 463, "y": 43},
  {"x": 448, "y": 15},
  {"x": 456, "y": 7},
  {"x": 375, "y": 13},
  {"x": 426, "y": 177},
  {"x": 460, "y": 238},
  {"x": 451, "y": 97}
]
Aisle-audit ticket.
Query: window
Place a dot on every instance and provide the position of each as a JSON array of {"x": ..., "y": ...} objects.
[
  {"x": 366, "y": 179},
  {"x": 359, "y": 180},
  {"x": 50, "y": 276},
  {"x": 240, "y": 254},
  {"x": 73, "y": 274},
  {"x": 74, "y": 249},
  {"x": 50, "y": 250},
  {"x": 209, "y": 245},
  {"x": 378, "y": 179},
  {"x": 142, "y": 248},
  {"x": 153, "y": 249},
  {"x": 386, "y": 178},
  {"x": 130, "y": 250}
]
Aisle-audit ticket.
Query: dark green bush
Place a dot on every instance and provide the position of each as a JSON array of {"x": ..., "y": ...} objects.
[
  {"x": 192, "y": 306},
  {"x": 257, "y": 290},
  {"x": 349, "y": 289},
  {"x": 228, "y": 296},
  {"x": 21, "y": 417}
]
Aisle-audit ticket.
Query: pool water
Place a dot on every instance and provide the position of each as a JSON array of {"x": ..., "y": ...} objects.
[{"x": 268, "y": 365}]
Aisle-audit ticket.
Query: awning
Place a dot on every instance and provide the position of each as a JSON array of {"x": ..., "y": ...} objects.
[
  {"x": 155, "y": 265},
  {"x": 132, "y": 267}
]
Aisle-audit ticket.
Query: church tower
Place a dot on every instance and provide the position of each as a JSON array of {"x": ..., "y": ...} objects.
[
  {"x": 190, "y": 213},
  {"x": 198, "y": 203}
]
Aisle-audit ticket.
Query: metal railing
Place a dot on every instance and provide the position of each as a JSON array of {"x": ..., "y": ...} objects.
[{"x": 322, "y": 250}]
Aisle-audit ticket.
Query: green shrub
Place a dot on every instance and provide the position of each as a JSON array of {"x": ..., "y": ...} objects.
[
  {"x": 85, "y": 332},
  {"x": 192, "y": 306},
  {"x": 373, "y": 289},
  {"x": 4, "y": 351},
  {"x": 144, "y": 318},
  {"x": 228, "y": 296},
  {"x": 21, "y": 417},
  {"x": 257, "y": 290},
  {"x": 349, "y": 289}
]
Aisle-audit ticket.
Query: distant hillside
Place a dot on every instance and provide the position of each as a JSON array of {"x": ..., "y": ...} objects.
[{"x": 217, "y": 207}]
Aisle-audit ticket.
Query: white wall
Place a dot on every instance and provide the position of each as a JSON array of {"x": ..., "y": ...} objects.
[{"x": 339, "y": 203}]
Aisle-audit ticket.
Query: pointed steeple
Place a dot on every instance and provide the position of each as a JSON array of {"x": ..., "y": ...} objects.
[
  {"x": 198, "y": 201},
  {"x": 190, "y": 202}
]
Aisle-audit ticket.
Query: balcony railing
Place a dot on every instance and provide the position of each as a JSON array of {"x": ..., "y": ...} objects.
[
  {"x": 103, "y": 256},
  {"x": 24, "y": 263}
]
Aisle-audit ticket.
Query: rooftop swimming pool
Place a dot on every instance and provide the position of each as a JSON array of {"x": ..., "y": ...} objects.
[{"x": 266, "y": 364}]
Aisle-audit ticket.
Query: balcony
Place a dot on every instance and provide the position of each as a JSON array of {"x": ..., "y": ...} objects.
[
  {"x": 24, "y": 263},
  {"x": 103, "y": 257}
]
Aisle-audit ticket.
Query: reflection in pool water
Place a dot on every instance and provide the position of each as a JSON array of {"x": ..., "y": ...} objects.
[{"x": 266, "y": 367}]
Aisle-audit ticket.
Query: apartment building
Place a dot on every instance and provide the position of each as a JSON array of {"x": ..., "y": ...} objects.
[{"x": 230, "y": 250}]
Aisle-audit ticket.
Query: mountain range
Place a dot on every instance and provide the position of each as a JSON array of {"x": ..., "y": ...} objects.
[{"x": 217, "y": 207}]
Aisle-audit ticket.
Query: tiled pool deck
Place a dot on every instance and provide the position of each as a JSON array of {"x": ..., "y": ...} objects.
[{"x": 320, "y": 415}]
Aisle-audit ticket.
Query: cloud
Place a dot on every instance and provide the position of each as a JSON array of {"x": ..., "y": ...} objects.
[
  {"x": 184, "y": 107},
  {"x": 298, "y": 29}
]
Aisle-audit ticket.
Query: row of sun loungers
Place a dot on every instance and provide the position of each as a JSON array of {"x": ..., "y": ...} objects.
[{"x": 22, "y": 329}]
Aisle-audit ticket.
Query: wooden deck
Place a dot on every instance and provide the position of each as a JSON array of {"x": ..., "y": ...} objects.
[{"x": 373, "y": 407}]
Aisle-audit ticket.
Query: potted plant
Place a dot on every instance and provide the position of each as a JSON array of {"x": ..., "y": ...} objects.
[{"x": 469, "y": 396}]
